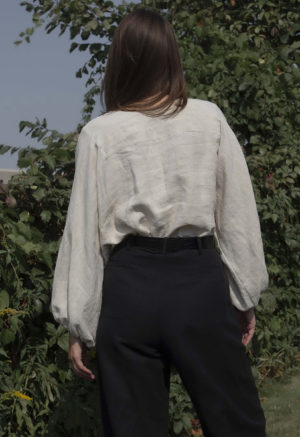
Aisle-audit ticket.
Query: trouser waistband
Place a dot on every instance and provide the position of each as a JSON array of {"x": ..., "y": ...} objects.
[{"x": 169, "y": 244}]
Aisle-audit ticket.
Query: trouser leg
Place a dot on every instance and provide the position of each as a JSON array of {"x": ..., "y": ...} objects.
[
  {"x": 175, "y": 308},
  {"x": 134, "y": 375},
  {"x": 203, "y": 339}
]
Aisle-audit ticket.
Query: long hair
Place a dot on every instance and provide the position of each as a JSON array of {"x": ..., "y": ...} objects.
[{"x": 144, "y": 66}]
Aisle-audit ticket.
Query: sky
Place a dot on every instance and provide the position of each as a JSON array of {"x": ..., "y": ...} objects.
[{"x": 36, "y": 80}]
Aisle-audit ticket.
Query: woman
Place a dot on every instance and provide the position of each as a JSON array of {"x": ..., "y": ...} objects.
[{"x": 161, "y": 259}]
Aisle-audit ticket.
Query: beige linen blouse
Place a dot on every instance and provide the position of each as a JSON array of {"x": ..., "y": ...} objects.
[{"x": 182, "y": 176}]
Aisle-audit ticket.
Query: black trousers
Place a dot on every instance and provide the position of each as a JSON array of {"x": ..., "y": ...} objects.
[{"x": 159, "y": 308}]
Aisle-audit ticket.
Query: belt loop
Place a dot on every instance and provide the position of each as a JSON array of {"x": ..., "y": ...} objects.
[
  {"x": 199, "y": 244},
  {"x": 164, "y": 247}
]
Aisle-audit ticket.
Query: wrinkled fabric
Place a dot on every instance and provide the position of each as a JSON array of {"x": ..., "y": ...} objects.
[{"x": 182, "y": 176}]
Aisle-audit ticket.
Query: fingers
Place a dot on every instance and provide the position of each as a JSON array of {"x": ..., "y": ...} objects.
[
  {"x": 247, "y": 336},
  {"x": 82, "y": 370},
  {"x": 247, "y": 322},
  {"x": 77, "y": 356}
]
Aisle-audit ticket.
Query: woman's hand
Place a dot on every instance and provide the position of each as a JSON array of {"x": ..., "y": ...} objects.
[
  {"x": 78, "y": 357},
  {"x": 247, "y": 323}
]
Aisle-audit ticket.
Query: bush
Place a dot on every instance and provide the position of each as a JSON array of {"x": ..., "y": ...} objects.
[{"x": 244, "y": 56}]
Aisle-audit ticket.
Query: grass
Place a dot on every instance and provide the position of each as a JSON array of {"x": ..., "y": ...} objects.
[{"x": 280, "y": 400}]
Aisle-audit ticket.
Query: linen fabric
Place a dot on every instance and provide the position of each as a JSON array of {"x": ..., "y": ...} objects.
[{"x": 182, "y": 176}]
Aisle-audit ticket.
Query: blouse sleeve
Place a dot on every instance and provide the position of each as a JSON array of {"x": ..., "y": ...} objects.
[
  {"x": 237, "y": 230},
  {"x": 77, "y": 283}
]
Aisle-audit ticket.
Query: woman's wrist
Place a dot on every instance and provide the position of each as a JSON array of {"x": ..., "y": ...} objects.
[{"x": 73, "y": 339}]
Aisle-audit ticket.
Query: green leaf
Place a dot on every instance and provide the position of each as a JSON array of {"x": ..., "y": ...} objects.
[
  {"x": 243, "y": 86},
  {"x": 63, "y": 341},
  {"x": 83, "y": 47},
  {"x": 29, "y": 424},
  {"x": 46, "y": 257},
  {"x": 46, "y": 215},
  {"x": 191, "y": 21},
  {"x": 19, "y": 414},
  {"x": 187, "y": 422},
  {"x": 39, "y": 194},
  {"x": 50, "y": 160},
  {"x": 178, "y": 427},
  {"x": 4, "y": 299},
  {"x": 73, "y": 46},
  {"x": 25, "y": 216},
  {"x": 91, "y": 25},
  {"x": 7, "y": 337},
  {"x": 29, "y": 247}
]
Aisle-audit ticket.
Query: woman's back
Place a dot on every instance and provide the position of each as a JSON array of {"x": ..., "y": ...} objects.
[
  {"x": 161, "y": 173},
  {"x": 181, "y": 176}
]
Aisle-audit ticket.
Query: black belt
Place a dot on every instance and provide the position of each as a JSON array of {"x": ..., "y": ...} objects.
[{"x": 167, "y": 244}]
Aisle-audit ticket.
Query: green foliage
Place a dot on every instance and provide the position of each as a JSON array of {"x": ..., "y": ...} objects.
[
  {"x": 244, "y": 56},
  {"x": 181, "y": 410}
]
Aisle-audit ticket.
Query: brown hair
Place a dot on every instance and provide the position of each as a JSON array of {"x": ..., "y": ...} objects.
[{"x": 144, "y": 66}]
